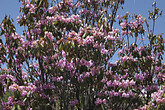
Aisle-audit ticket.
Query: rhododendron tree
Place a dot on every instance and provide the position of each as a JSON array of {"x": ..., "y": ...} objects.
[{"x": 63, "y": 59}]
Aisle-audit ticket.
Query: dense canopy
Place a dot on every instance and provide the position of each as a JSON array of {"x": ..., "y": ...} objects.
[{"x": 64, "y": 58}]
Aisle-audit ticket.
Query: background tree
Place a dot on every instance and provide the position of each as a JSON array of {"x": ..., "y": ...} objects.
[{"x": 62, "y": 59}]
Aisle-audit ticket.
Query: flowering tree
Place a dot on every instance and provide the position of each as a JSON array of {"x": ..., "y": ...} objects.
[{"x": 62, "y": 59}]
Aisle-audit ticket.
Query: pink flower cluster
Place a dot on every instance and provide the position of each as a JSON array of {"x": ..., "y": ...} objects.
[
  {"x": 157, "y": 96},
  {"x": 123, "y": 84},
  {"x": 74, "y": 102},
  {"x": 136, "y": 24},
  {"x": 58, "y": 79},
  {"x": 49, "y": 35},
  {"x": 84, "y": 62},
  {"x": 122, "y": 94},
  {"x": 139, "y": 77},
  {"x": 72, "y": 19},
  {"x": 7, "y": 76},
  {"x": 31, "y": 7},
  {"x": 23, "y": 89},
  {"x": 100, "y": 101}
]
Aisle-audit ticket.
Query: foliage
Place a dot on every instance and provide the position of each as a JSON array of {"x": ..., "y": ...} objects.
[{"x": 62, "y": 59}]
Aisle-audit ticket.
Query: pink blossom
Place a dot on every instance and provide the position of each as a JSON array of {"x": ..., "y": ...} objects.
[
  {"x": 123, "y": 25},
  {"x": 109, "y": 83},
  {"x": 104, "y": 51},
  {"x": 24, "y": 93},
  {"x": 125, "y": 95},
  {"x": 21, "y": 88},
  {"x": 104, "y": 101},
  {"x": 93, "y": 71},
  {"x": 98, "y": 101},
  {"x": 87, "y": 74},
  {"x": 110, "y": 37},
  {"x": 13, "y": 87},
  {"x": 118, "y": 17},
  {"x": 51, "y": 10},
  {"x": 73, "y": 103}
]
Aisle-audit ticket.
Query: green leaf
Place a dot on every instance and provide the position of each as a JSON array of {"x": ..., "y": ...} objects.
[
  {"x": 25, "y": 100},
  {"x": 101, "y": 27},
  {"x": 84, "y": 35},
  {"x": 55, "y": 22},
  {"x": 99, "y": 22},
  {"x": 28, "y": 94},
  {"x": 40, "y": 3},
  {"x": 136, "y": 33},
  {"x": 50, "y": 67},
  {"x": 61, "y": 47},
  {"x": 38, "y": 53},
  {"x": 13, "y": 108},
  {"x": 18, "y": 107},
  {"x": 102, "y": 106}
]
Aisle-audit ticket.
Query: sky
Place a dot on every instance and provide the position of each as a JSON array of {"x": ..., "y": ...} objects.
[
  {"x": 11, "y": 7},
  {"x": 142, "y": 7}
]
